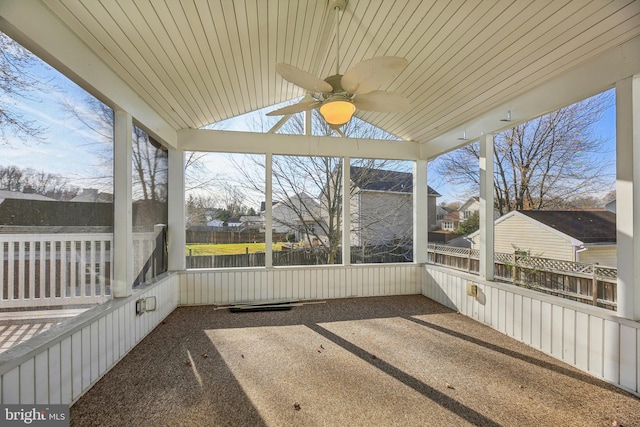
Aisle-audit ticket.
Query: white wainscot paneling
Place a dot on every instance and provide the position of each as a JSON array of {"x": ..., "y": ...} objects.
[
  {"x": 628, "y": 356},
  {"x": 582, "y": 341},
  {"x": 61, "y": 364},
  {"x": 224, "y": 286},
  {"x": 592, "y": 339}
]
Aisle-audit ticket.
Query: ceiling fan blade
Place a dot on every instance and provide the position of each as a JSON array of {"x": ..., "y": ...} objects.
[
  {"x": 382, "y": 101},
  {"x": 301, "y": 78},
  {"x": 370, "y": 74},
  {"x": 295, "y": 108}
]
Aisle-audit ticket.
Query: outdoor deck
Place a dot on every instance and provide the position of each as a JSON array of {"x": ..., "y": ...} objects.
[
  {"x": 400, "y": 360},
  {"x": 20, "y": 326}
]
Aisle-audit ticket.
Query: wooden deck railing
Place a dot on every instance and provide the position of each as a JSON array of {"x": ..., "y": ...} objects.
[{"x": 588, "y": 283}]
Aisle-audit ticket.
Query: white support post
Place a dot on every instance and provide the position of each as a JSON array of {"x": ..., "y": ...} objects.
[
  {"x": 486, "y": 207},
  {"x": 628, "y": 196},
  {"x": 176, "y": 234},
  {"x": 122, "y": 281},
  {"x": 346, "y": 210},
  {"x": 268, "y": 211},
  {"x": 307, "y": 122},
  {"x": 420, "y": 212}
]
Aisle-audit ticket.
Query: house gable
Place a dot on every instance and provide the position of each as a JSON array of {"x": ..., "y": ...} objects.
[
  {"x": 523, "y": 229},
  {"x": 472, "y": 204},
  {"x": 517, "y": 231}
]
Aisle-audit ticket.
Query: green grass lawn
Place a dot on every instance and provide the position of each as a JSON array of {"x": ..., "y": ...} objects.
[{"x": 228, "y": 248}]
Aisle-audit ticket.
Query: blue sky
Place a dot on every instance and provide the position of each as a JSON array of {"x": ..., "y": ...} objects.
[{"x": 69, "y": 148}]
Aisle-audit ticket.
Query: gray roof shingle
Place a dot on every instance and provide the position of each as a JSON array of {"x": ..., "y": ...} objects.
[
  {"x": 586, "y": 226},
  {"x": 385, "y": 180}
]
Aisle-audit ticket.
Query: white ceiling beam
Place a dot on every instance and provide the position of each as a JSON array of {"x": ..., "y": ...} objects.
[
  {"x": 301, "y": 145},
  {"x": 280, "y": 123},
  {"x": 52, "y": 41},
  {"x": 590, "y": 78}
]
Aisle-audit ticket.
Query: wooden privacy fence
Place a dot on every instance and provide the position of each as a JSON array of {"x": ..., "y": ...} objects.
[
  {"x": 587, "y": 283},
  {"x": 230, "y": 236},
  {"x": 315, "y": 256},
  {"x": 257, "y": 259}
]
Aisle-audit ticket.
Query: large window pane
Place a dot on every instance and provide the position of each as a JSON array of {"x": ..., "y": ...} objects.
[
  {"x": 225, "y": 210},
  {"x": 56, "y": 190},
  {"x": 555, "y": 207},
  {"x": 150, "y": 208},
  {"x": 307, "y": 210},
  {"x": 381, "y": 202}
]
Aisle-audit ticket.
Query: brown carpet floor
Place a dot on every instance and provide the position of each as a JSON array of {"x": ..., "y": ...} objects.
[{"x": 383, "y": 361}]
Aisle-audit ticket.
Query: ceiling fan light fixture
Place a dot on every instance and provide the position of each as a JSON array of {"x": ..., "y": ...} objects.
[{"x": 337, "y": 110}]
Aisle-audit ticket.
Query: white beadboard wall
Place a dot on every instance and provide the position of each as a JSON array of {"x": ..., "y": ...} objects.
[
  {"x": 592, "y": 339},
  {"x": 59, "y": 365},
  {"x": 223, "y": 286}
]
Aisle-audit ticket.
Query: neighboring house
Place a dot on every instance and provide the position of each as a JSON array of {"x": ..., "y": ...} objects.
[
  {"x": 382, "y": 206},
  {"x": 440, "y": 214},
  {"x": 582, "y": 236},
  {"x": 7, "y": 194},
  {"x": 215, "y": 223},
  {"x": 263, "y": 206},
  {"x": 450, "y": 221},
  {"x": 299, "y": 214},
  {"x": 54, "y": 214},
  {"x": 469, "y": 207},
  {"x": 93, "y": 195},
  {"x": 611, "y": 206},
  {"x": 252, "y": 222},
  {"x": 381, "y": 209},
  {"x": 234, "y": 222}
]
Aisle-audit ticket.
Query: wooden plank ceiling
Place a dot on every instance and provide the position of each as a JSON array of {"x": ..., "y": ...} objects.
[{"x": 198, "y": 62}]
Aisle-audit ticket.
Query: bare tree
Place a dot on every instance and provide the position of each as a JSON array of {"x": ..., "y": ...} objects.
[
  {"x": 197, "y": 209},
  {"x": 309, "y": 191},
  {"x": 543, "y": 163},
  {"x": 13, "y": 178},
  {"x": 149, "y": 158},
  {"x": 150, "y": 166},
  {"x": 197, "y": 175},
  {"x": 233, "y": 200},
  {"x": 49, "y": 184},
  {"x": 17, "y": 81},
  {"x": 609, "y": 197},
  {"x": 98, "y": 119}
]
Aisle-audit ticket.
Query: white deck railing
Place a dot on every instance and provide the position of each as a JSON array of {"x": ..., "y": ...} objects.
[
  {"x": 39, "y": 270},
  {"x": 54, "y": 269}
]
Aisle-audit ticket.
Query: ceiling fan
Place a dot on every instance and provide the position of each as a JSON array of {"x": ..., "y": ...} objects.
[{"x": 339, "y": 96}]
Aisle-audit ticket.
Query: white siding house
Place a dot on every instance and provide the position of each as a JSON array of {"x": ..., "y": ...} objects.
[
  {"x": 580, "y": 236},
  {"x": 452, "y": 220},
  {"x": 469, "y": 207},
  {"x": 382, "y": 206},
  {"x": 297, "y": 214}
]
